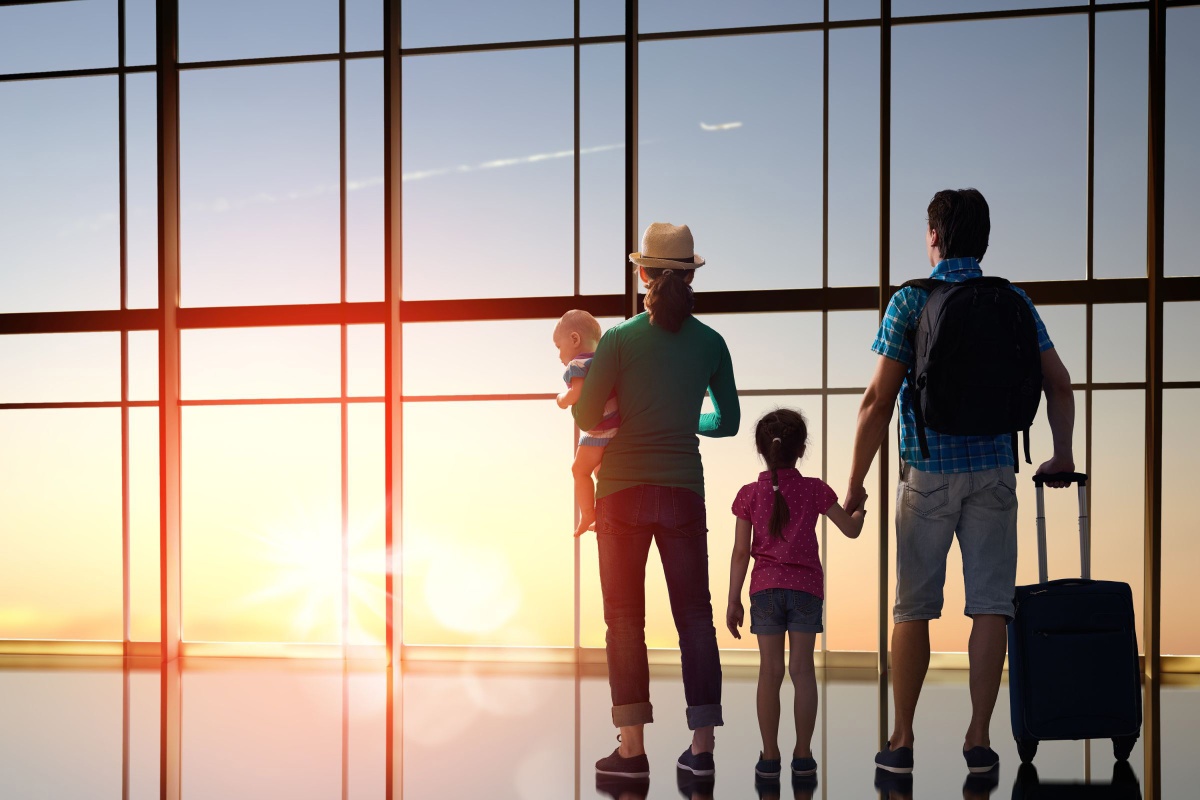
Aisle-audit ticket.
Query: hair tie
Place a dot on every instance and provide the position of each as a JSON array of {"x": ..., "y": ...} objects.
[
  {"x": 775, "y": 487},
  {"x": 777, "y": 439},
  {"x": 667, "y": 272}
]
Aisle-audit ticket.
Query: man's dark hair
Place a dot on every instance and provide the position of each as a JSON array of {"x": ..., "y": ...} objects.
[{"x": 962, "y": 222}]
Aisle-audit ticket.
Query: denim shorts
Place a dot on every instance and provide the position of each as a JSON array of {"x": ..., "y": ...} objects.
[
  {"x": 774, "y": 611},
  {"x": 977, "y": 508}
]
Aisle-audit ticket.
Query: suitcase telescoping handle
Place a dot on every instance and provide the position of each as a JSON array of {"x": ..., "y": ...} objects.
[{"x": 1085, "y": 536}]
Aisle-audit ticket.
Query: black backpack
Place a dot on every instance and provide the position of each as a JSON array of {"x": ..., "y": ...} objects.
[{"x": 978, "y": 368}]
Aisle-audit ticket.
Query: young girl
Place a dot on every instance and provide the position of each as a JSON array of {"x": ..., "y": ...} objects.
[{"x": 776, "y": 523}]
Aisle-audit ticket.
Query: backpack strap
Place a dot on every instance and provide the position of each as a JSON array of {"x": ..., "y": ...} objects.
[
  {"x": 1017, "y": 453},
  {"x": 1027, "y": 459},
  {"x": 929, "y": 285}
]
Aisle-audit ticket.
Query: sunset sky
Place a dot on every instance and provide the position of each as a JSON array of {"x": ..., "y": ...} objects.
[{"x": 729, "y": 143}]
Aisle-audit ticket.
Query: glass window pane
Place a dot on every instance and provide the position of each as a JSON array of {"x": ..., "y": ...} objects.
[
  {"x": 1181, "y": 205},
  {"x": 1180, "y": 520},
  {"x": 435, "y": 23},
  {"x": 851, "y": 361},
  {"x": 141, "y": 191},
  {"x": 364, "y": 25},
  {"x": 58, "y": 210},
  {"x": 854, "y": 156},
  {"x": 1033, "y": 176},
  {"x": 602, "y": 254},
  {"x": 364, "y": 180},
  {"x": 741, "y": 168},
  {"x": 1119, "y": 343},
  {"x": 144, "y": 516},
  {"x": 216, "y": 30},
  {"x": 1119, "y": 244},
  {"x": 60, "y": 518},
  {"x": 1117, "y": 491},
  {"x": 364, "y": 360},
  {"x": 530, "y": 364},
  {"x": 245, "y": 363},
  {"x": 679, "y": 15},
  {"x": 1067, "y": 328},
  {"x": 601, "y": 17},
  {"x": 244, "y": 724},
  {"x": 496, "y": 570},
  {"x": 488, "y": 180},
  {"x": 261, "y": 523},
  {"x": 258, "y": 185},
  {"x": 143, "y": 365},
  {"x": 365, "y": 538},
  {"x": 851, "y": 565},
  {"x": 1180, "y": 706},
  {"x": 771, "y": 351},
  {"x": 909, "y": 8},
  {"x": 60, "y": 367},
  {"x": 141, "y": 35},
  {"x": 39, "y": 37},
  {"x": 1181, "y": 331},
  {"x": 854, "y": 9}
]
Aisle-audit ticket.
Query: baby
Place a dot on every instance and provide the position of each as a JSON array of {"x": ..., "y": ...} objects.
[{"x": 576, "y": 336}]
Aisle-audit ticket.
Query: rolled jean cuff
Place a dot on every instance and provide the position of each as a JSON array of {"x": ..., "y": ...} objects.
[
  {"x": 704, "y": 716},
  {"x": 632, "y": 714}
]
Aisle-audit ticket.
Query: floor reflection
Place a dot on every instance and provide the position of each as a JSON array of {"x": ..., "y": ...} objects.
[{"x": 257, "y": 728}]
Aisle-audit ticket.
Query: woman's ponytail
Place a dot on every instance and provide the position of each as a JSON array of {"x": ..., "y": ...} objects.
[{"x": 669, "y": 298}]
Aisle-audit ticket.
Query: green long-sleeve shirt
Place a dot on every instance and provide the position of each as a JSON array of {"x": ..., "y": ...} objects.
[{"x": 661, "y": 379}]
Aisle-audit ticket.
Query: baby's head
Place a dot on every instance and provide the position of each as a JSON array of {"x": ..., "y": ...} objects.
[{"x": 577, "y": 332}]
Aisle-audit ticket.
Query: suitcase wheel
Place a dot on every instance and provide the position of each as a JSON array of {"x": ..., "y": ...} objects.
[
  {"x": 1027, "y": 749},
  {"x": 1123, "y": 746}
]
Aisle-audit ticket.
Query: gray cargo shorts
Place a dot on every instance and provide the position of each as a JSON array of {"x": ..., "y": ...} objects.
[{"x": 931, "y": 508}]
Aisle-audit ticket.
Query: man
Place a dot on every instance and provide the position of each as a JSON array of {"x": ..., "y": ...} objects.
[{"x": 965, "y": 487}]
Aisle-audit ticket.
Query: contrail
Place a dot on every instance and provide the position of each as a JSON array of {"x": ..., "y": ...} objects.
[{"x": 723, "y": 126}]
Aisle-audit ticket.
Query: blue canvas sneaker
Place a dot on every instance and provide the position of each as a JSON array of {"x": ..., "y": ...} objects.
[
  {"x": 804, "y": 767},
  {"x": 700, "y": 764},
  {"x": 767, "y": 767},
  {"x": 981, "y": 759},
  {"x": 897, "y": 760}
]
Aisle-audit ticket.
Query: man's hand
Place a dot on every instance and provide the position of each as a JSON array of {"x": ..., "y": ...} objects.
[
  {"x": 1054, "y": 465},
  {"x": 856, "y": 495},
  {"x": 733, "y": 617}
]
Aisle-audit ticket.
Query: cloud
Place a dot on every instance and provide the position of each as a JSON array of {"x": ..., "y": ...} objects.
[{"x": 721, "y": 126}]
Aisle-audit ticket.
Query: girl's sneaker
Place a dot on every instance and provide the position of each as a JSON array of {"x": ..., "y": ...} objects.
[
  {"x": 767, "y": 767},
  {"x": 804, "y": 767},
  {"x": 699, "y": 764}
]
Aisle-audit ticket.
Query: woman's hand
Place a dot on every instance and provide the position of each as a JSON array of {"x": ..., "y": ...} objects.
[{"x": 733, "y": 617}]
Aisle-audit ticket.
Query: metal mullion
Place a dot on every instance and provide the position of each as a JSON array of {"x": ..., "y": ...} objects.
[
  {"x": 79, "y": 404},
  {"x": 122, "y": 256},
  {"x": 74, "y": 73},
  {"x": 825, "y": 312},
  {"x": 279, "y": 401},
  {"x": 1152, "y": 563},
  {"x": 576, "y": 569},
  {"x": 1089, "y": 273},
  {"x": 343, "y": 407},
  {"x": 393, "y": 385},
  {"x": 491, "y": 47},
  {"x": 631, "y": 155},
  {"x": 885, "y": 279}
]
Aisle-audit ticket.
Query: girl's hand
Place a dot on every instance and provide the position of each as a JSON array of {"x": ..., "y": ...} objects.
[
  {"x": 734, "y": 617},
  {"x": 859, "y": 518}
]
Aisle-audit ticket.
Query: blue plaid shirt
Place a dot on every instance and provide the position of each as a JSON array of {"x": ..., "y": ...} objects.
[{"x": 946, "y": 453}]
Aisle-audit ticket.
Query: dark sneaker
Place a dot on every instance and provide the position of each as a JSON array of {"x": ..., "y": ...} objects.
[
  {"x": 700, "y": 764},
  {"x": 618, "y": 766},
  {"x": 804, "y": 767},
  {"x": 898, "y": 760},
  {"x": 981, "y": 759},
  {"x": 767, "y": 767}
]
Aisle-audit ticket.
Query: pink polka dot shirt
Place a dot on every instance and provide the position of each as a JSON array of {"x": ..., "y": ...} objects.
[{"x": 793, "y": 562}]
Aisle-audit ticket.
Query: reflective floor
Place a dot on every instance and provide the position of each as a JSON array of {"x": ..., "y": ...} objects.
[{"x": 82, "y": 728}]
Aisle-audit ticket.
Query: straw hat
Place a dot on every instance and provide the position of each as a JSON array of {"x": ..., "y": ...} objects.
[{"x": 667, "y": 246}]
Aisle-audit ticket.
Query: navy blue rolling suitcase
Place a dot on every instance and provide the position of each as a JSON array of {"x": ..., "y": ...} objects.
[{"x": 1073, "y": 670}]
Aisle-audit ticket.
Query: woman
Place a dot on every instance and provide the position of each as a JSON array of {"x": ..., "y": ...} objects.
[{"x": 662, "y": 363}]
